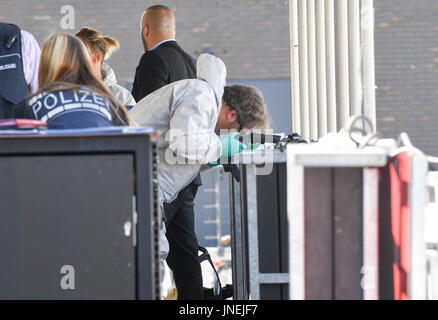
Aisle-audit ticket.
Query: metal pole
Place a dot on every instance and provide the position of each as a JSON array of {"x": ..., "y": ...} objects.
[
  {"x": 370, "y": 270},
  {"x": 432, "y": 285},
  {"x": 296, "y": 217},
  {"x": 304, "y": 70},
  {"x": 313, "y": 100},
  {"x": 417, "y": 286},
  {"x": 368, "y": 61},
  {"x": 244, "y": 229},
  {"x": 343, "y": 64},
  {"x": 217, "y": 194},
  {"x": 321, "y": 68},
  {"x": 253, "y": 240},
  {"x": 355, "y": 58},
  {"x": 331, "y": 65},
  {"x": 236, "y": 242},
  {"x": 295, "y": 66}
]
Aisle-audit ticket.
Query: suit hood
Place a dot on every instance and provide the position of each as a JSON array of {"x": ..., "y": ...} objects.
[
  {"x": 212, "y": 70},
  {"x": 110, "y": 76}
]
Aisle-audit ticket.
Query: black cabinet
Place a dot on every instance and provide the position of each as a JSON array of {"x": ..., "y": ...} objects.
[{"x": 79, "y": 217}]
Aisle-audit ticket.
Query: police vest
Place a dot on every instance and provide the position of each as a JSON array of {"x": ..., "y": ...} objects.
[
  {"x": 13, "y": 87},
  {"x": 71, "y": 109}
]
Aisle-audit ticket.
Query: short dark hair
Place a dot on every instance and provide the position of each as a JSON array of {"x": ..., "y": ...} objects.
[{"x": 249, "y": 103}]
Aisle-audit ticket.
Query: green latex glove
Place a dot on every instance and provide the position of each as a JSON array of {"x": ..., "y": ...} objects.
[{"x": 230, "y": 146}]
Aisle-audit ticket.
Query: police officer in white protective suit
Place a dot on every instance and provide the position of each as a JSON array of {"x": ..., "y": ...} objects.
[{"x": 189, "y": 115}]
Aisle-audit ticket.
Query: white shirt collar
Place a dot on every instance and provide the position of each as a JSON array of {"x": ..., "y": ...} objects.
[{"x": 160, "y": 43}]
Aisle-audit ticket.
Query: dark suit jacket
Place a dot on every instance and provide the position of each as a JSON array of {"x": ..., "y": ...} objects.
[{"x": 166, "y": 64}]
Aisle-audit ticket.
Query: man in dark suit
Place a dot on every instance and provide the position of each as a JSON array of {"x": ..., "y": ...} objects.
[{"x": 165, "y": 62}]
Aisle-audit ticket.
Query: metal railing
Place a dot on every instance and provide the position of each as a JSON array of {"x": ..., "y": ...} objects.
[{"x": 431, "y": 225}]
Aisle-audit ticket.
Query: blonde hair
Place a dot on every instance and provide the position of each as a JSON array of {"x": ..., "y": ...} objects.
[
  {"x": 66, "y": 65},
  {"x": 95, "y": 41}
]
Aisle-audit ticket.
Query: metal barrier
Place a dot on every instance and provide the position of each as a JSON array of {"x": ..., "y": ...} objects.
[
  {"x": 431, "y": 235},
  {"x": 259, "y": 227},
  {"x": 356, "y": 224},
  {"x": 333, "y": 237}
]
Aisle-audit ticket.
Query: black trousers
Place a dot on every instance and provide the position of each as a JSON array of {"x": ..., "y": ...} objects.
[{"x": 183, "y": 244}]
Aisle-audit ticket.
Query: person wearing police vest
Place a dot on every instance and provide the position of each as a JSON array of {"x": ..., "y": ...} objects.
[
  {"x": 19, "y": 61},
  {"x": 71, "y": 94}
]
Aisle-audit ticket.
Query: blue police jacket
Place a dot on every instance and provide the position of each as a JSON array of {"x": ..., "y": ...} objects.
[
  {"x": 69, "y": 109},
  {"x": 13, "y": 87}
]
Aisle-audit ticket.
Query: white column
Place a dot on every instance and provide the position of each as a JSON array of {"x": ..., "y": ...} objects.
[
  {"x": 368, "y": 60},
  {"x": 313, "y": 98},
  {"x": 331, "y": 65},
  {"x": 295, "y": 66},
  {"x": 355, "y": 58},
  {"x": 321, "y": 68},
  {"x": 304, "y": 70},
  {"x": 343, "y": 63}
]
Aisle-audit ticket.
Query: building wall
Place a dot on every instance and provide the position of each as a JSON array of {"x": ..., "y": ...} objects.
[
  {"x": 251, "y": 36},
  {"x": 407, "y": 70}
]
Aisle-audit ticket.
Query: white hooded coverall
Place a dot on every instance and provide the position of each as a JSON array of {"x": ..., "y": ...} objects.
[
  {"x": 184, "y": 114},
  {"x": 120, "y": 93}
]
